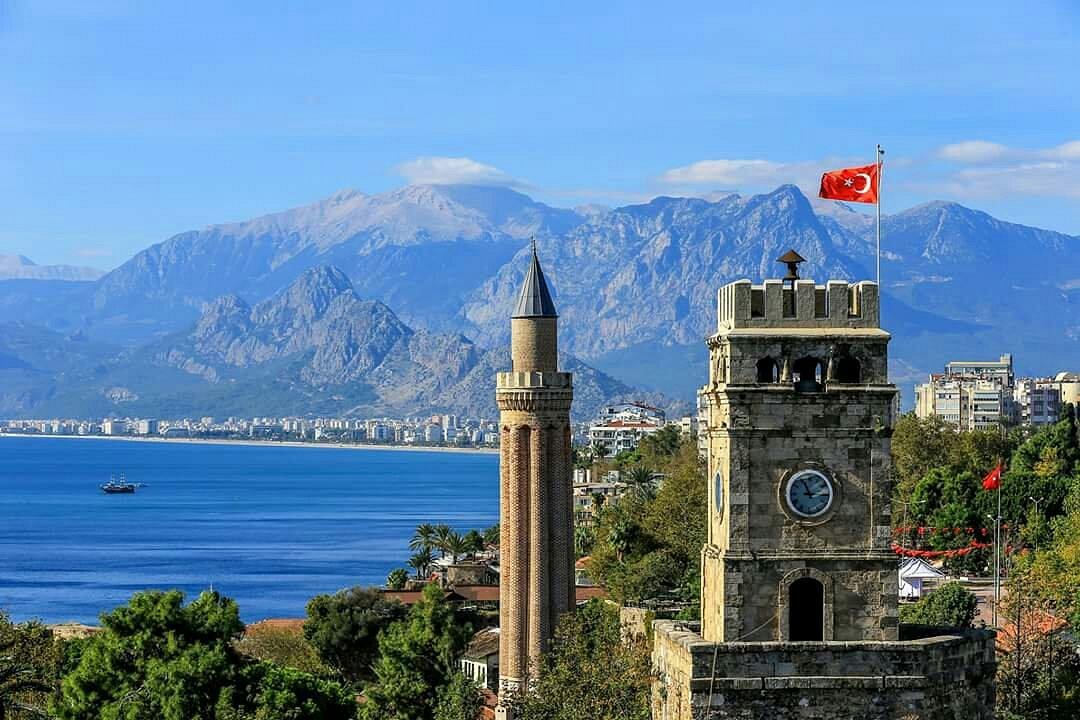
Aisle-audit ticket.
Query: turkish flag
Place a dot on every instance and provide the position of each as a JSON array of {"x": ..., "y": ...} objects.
[
  {"x": 992, "y": 481},
  {"x": 857, "y": 184}
]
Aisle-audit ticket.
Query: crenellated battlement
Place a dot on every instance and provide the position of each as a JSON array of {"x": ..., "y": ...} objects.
[{"x": 775, "y": 304}]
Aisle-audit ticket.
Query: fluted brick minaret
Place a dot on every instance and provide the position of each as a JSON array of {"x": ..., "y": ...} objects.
[{"x": 536, "y": 503}]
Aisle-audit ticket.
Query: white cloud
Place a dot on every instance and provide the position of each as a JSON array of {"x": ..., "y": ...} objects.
[
  {"x": 1040, "y": 179},
  {"x": 1066, "y": 151},
  {"x": 741, "y": 175},
  {"x": 435, "y": 170},
  {"x": 725, "y": 172},
  {"x": 1003, "y": 171},
  {"x": 973, "y": 151}
]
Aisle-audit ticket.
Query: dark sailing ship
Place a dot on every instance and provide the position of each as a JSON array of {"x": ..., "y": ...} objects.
[{"x": 118, "y": 487}]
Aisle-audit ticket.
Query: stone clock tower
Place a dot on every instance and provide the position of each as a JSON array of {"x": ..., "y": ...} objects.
[
  {"x": 536, "y": 514},
  {"x": 799, "y": 583},
  {"x": 798, "y": 405}
]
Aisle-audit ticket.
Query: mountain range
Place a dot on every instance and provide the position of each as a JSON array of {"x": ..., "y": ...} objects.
[
  {"x": 313, "y": 347},
  {"x": 635, "y": 287},
  {"x": 20, "y": 267}
]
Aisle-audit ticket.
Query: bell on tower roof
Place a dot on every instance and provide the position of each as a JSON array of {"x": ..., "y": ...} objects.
[
  {"x": 792, "y": 260},
  {"x": 534, "y": 299}
]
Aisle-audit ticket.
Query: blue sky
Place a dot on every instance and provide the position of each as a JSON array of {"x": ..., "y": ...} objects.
[{"x": 126, "y": 122}]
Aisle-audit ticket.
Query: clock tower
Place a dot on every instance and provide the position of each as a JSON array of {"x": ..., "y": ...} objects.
[
  {"x": 798, "y": 579},
  {"x": 799, "y": 410}
]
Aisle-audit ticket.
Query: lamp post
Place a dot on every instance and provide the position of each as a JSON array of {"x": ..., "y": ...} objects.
[
  {"x": 906, "y": 506},
  {"x": 997, "y": 566}
]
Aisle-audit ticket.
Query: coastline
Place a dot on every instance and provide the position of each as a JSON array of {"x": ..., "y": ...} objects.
[{"x": 263, "y": 443}]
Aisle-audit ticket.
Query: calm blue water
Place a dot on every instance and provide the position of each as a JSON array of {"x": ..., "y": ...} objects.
[{"x": 268, "y": 526}]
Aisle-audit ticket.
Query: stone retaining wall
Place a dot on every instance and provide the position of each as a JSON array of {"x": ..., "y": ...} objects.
[{"x": 943, "y": 677}]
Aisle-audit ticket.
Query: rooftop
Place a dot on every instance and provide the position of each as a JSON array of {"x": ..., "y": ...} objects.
[{"x": 534, "y": 299}]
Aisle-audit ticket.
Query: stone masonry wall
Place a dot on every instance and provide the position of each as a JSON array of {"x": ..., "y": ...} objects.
[{"x": 945, "y": 677}]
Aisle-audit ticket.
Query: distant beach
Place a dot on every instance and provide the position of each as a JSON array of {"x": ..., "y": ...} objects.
[{"x": 260, "y": 443}]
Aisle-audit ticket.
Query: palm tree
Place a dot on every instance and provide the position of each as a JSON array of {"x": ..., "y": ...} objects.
[
  {"x": 641, "y": 479},
  {"x": 423, "y": 538},
  {"x": 620, "y": 536},
  {"x": 396, "y": 579},
  {"x": 16, "y": 680},
  {"x": 584, "y": 537},
  {"x": 491, "y": 536},
  {"x": 456, "y": 545},
  {"x": 420, "y": 562},
  {"x": 475, "y": 541},
  {"x": 442, "y": 538},
  {"x": 599, "y": 452}
]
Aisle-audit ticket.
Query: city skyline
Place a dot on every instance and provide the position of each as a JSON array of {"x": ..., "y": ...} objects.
[{"x": 105, "y": 156}]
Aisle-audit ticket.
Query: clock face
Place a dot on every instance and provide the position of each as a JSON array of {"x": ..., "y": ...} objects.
[{"x": 809, "y": 493}]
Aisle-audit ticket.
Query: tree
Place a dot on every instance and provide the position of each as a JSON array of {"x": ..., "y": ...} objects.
[
  {"x": 157, "y": 657},
  {"x": 1038, "y": 669},
  {"x": 282, "y": 693},
  {"x": 951, "y": 605},
  {"x": 456, "y": 546},
  {"x": 459, "y": 699},
  {"x": 640, "y": 478},
  {"x": 424, "y": 538},
  {"x": 443, "y": 533},
  {"x": 420, "y": 562},
  {"x": 284, "y": 646},
  {"x": 474, "y": 541},
  {"x": 584, "y": 537},
  {"x": 27, "y": 667},
  {"x": 417, "y": 657},
  {"x": 592, "y": 670},
  {"x": 657, "y": 447},
  {"x": 648, "y": 546},
  {"x": 491, "y": 535},
  {"x": 918, "y": 446},
  {"x": 344, "y": 629},
  {"x": 397, "y": 578}
]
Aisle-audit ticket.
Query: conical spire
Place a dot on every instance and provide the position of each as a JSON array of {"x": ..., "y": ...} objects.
[{"x": 534, "y": 299}]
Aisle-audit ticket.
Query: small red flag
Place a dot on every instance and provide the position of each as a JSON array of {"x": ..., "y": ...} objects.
[
  {"x": 992, "y": 481},
  {"x": 857, "y": 184}
]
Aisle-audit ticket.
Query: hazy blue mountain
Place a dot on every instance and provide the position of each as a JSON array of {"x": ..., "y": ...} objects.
[
  {"x": 35, "y": 362},
  {"x": 419, "y": 248},
  {"x": 635, "y": 285},
  {"x": 20, "y": 267},
  {"x": 314, "y": 347}
]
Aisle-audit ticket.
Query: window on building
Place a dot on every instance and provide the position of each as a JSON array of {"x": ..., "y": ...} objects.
[
  {"x": 848, "y": 370},
  {"x": 808, "y": 374},
  {"x": 767, "y": 371}
]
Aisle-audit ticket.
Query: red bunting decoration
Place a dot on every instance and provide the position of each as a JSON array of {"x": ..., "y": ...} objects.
[{"x": 957, "y": 552}]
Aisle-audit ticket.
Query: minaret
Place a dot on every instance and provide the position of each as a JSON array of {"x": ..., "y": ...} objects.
[{"x": 536, "y": 512}]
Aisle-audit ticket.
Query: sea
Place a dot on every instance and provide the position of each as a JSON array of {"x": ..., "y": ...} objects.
[{"x": 269, "y": 526}]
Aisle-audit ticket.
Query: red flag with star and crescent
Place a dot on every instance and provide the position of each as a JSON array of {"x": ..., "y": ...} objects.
[
  {"x": 857, "y": 184},
  {"x": 992, "y": 481}
]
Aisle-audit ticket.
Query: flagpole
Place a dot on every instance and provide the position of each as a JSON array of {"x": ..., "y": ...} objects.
[
  {"x": 877, "y": 159},
  {"x": 998, "y": 556}
]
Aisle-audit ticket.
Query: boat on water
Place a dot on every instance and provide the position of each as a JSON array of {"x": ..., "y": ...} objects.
[{"x": 118, "y": 487}]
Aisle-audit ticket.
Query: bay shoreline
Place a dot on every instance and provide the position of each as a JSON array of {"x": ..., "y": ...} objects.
[{"x": 261, "y": 443}]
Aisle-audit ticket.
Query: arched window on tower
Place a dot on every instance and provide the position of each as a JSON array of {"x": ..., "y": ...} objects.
[
  {"x": 767, "y": 370},
  {"x": 806, "y": 603},
  {"x": 808, "y": 374},
  {"x": 848, "y": 370}
]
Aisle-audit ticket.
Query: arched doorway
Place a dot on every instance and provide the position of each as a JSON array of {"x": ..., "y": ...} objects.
[{"x": 806, "y": 608}]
